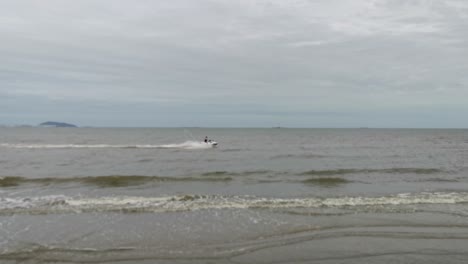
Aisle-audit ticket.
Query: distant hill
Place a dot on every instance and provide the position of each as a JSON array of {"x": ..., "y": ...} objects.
[{"x": 56, "y": 124}]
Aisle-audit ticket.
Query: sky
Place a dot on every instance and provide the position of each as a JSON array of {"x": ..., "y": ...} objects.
[{"x": 243, "y": 63}]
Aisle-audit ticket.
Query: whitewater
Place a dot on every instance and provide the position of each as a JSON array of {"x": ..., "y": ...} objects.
[{"x": 184, "y": 145}]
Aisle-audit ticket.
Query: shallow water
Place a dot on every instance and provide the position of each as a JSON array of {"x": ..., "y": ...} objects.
[{"x": 146, "y": 195}]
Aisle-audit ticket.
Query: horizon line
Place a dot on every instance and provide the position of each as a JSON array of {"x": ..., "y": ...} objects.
[{"x": 227, "y": 127}]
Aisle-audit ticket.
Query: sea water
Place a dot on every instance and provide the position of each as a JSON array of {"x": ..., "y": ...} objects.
[{"x": 272, "y": 195}]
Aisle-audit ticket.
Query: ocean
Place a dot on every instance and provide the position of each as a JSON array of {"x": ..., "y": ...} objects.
[{"x": 269, "y": 195}]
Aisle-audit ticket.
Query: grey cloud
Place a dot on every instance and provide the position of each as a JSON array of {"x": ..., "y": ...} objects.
[{"x": 279, "y": 58}]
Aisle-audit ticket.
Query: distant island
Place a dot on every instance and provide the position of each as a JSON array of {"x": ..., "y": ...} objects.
[{"x": 56, "y": 124}]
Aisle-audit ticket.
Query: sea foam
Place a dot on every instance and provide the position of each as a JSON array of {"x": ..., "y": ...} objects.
[{"x": 64, "y": 204}]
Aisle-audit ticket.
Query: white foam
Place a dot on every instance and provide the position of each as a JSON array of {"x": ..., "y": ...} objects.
[
  {"x": 63, "y": 204},
  {"x": 188, "y": 145},
  {"x": 184, "y": 145},
  {"x": 31, "y": 202}
]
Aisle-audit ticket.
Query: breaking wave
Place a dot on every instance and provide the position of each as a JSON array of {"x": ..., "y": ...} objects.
[
  {"x": 125, "y": 204},
  {"x": 184, "y": 145}
]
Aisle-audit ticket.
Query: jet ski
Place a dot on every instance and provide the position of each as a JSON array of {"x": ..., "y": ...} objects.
[{"x": 212, "y": 143}]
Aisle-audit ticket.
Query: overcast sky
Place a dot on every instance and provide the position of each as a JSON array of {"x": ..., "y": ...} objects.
[{"x": 225, "y": 63}]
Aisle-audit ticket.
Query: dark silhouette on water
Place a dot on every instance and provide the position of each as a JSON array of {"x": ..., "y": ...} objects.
[{"x": 56, "y": 124}]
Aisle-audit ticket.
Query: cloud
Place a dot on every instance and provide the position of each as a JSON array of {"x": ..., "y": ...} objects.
[{"x": 274, "y": 56}]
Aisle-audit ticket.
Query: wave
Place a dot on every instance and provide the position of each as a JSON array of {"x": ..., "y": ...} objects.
[
  {"x": 327, "y": 182},
  {"x": 365, "y": 171},
  {"x": 145, "y": 160},
  {"x": 126, "y": 204},
  {"x": 215, "y": 173},
  {"x": 127, "y": 180},
  {"x": 184, "y": 145},
  {"x": 438, "y": 180},
  {"x": 321, "y": 177},
  {"x": 105, "y": 181},
  {"x": 233, "y": 150},
  {"x": 300, "y": 156},
  {"x": 243, "y": 173}
]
